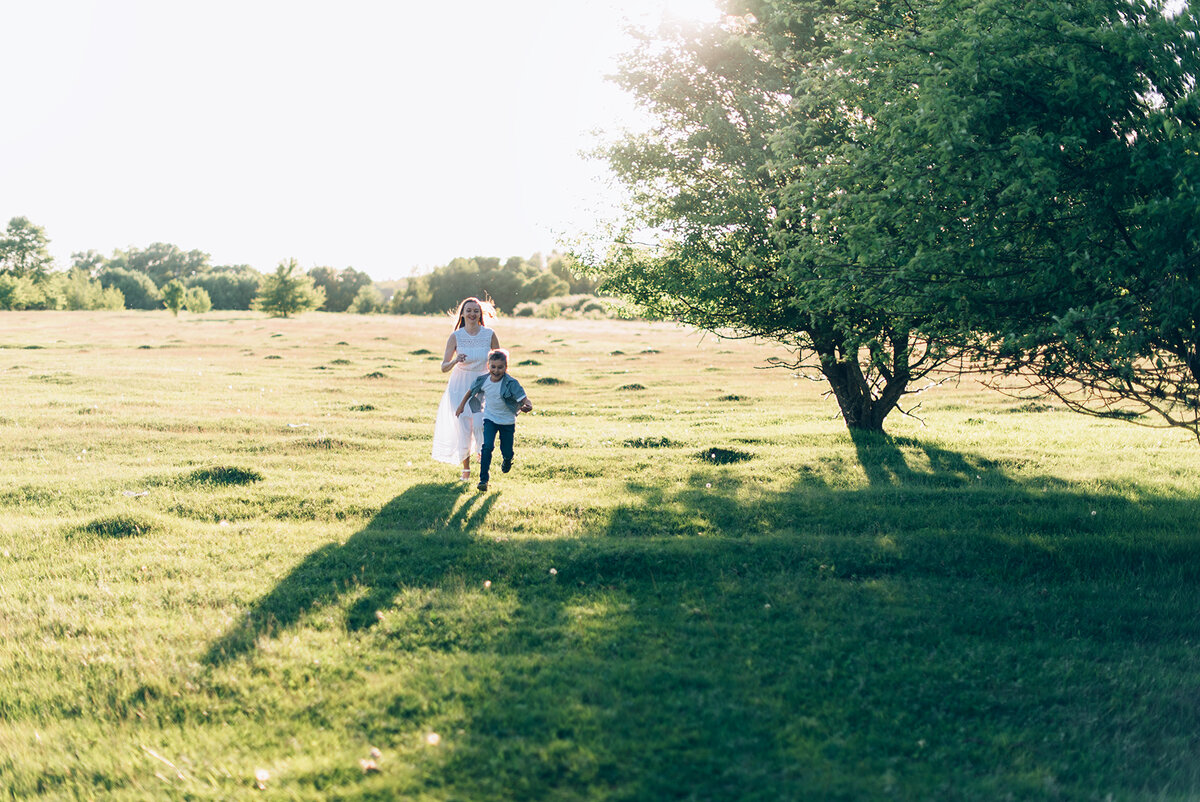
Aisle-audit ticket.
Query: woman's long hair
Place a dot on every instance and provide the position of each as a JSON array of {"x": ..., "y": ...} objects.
[{"x": 487, "y": 312}]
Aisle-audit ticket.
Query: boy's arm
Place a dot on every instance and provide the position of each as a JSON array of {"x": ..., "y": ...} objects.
[{"x": 462, "y": 404}]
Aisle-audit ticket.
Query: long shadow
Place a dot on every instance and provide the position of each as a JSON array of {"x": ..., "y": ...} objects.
[
  {"x": 832, "y": 641},
  {"x": 372, "y": 562}
]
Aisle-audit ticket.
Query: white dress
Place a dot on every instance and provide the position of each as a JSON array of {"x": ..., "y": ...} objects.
[{"x": 454, "y": 439}]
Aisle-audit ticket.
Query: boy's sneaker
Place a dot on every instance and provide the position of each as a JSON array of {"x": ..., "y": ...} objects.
[
  {"x": 482, "y": 486},
  {"x": 505, "y": 466}
]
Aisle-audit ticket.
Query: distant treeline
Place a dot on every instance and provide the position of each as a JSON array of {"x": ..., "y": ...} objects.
[{"x": 138, "y": 278}]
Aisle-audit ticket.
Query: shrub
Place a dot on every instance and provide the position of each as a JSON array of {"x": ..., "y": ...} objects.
[{"x": 197, "y": 300}]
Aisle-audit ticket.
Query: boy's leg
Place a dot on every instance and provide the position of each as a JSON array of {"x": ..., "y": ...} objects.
[
  {"x": 506, "y": 445},
  {"x": 485, "y": 453}
]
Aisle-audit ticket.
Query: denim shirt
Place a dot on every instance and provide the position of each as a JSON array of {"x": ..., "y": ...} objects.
[{"x": 511, "y": 392}]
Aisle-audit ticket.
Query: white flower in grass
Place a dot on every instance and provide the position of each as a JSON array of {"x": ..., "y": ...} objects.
[
  {"x": 487, "y": 584},
  {"x": 376, "y": 754},
  {"x": 379, "y": 615},
  {"x": 432, "y": 738},
  {"x": 260, "y": 778},
  {"x": 553, "y": 572},
  {"x": 708, "y": 484}
]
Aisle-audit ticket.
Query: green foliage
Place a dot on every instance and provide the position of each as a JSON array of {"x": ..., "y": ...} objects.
[
  {"x": 366, "y": 301},
  {"x": 285, "y": 293},
  {"x": 137, "y": 288},
  {"x": 704, "y": 179},
  {"x": 23, "y": 251},
  {"x": 1021, "y": 173},
  {"x": 20, "y": 292},
  {"x": 341, "y": 286},
  {"x": 507, "y": 284},
  {"x": 196, "y": 300},
  {"x": 80, "y": 291},
  {"x": 229, "y": 287},
  {"x": 161, "y": 262},
  {"x": 882, "y": 184},
  {"x": 174, "y": 295},
  {"x": 569, "y": 270}
]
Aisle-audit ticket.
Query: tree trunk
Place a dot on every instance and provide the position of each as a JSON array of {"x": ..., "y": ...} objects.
[{"x": 851, "y": 387}]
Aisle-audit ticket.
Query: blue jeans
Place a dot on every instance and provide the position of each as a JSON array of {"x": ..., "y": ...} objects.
[{"x": 490, "y": 429}]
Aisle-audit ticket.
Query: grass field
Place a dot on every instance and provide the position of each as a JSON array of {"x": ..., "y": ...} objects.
[{"x": 229, "y": 569}]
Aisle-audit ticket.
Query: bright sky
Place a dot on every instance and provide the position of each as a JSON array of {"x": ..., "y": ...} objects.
[{"x": 384, "y": 135}]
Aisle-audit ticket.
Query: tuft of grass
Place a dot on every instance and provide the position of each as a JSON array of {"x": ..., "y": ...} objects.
[
  {"x": 339, "y": 362},
  {"x": 363, "y": 408},
  {"x": 324, "y": 443},
  {"x": 724, "y": 456},
  {"x": 375, "y": 374},
  {"x": 649, "y": 442},
  {"x": 117, "y": 526},
  {"x": 632, "y": 387},
  {"x": 548, "y": 380},
  {"x": 224, "y": 475},
  {"x": 528, "y": 363},
  {"x": 732, "y": 397},
  {"x": 421, "y": 352}
]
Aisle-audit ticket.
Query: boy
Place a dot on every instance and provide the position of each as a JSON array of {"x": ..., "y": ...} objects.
[{"x": 503, "y": 398}]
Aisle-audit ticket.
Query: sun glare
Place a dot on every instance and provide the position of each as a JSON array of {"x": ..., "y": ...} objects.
[
  {"x": 698, "y": 10},
  {"x": 649, "y": 12}
]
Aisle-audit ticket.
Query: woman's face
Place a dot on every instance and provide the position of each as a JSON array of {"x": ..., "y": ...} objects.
[{"x": 472, "y": 313}]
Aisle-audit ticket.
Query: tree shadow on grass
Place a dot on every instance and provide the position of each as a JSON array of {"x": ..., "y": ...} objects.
[
  {"x": 373, "y": 563},
  {"x": 944, "y": 630}
]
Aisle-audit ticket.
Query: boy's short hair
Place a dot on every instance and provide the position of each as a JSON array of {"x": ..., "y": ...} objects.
[{"x": 498, "y": 353}]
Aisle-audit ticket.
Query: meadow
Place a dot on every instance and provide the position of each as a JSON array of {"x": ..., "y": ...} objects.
[{"x": 230, "y": 570}]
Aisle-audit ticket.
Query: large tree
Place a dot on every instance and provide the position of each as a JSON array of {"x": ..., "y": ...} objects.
[
  {"x": 24, "y": 252},
  {"x": 704, "y": 178},
  {"x": 162, "y": 262},
  {"x": 868, "y": 181},
  {"x": 1025, "y": 170}
]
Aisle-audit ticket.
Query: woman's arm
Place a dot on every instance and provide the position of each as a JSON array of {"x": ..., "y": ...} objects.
[
  {"x": 449, "y": 360},
  {"x": 495, "y": 341}
]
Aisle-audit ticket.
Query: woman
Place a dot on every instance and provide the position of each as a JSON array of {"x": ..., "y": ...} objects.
[{"x": 455, "y": 439}]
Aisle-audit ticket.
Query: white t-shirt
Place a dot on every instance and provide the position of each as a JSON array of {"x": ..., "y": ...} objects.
[{"x": 494, "y": 408}]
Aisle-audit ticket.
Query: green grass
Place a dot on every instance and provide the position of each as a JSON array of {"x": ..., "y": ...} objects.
[{"x": 216, "y": 560}]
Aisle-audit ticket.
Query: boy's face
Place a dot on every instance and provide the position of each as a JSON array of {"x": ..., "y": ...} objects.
[{"x": 497, "y": 369}]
